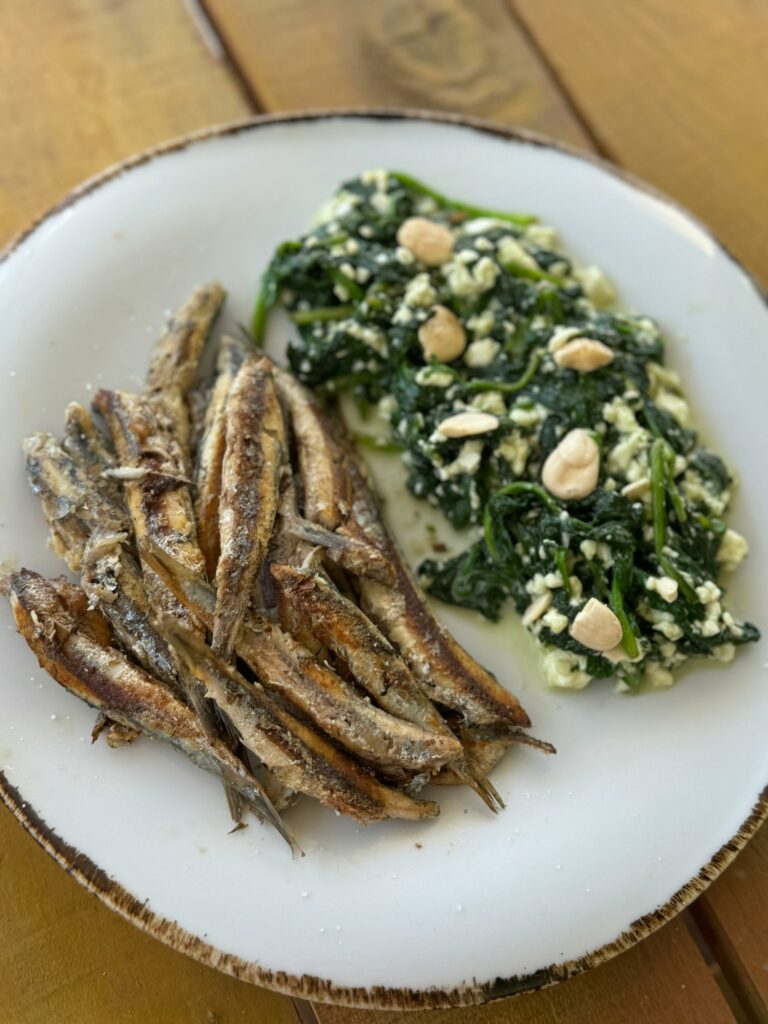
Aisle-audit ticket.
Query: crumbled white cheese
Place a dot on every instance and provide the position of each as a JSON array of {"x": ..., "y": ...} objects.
[
  {"x": 708, "y": 591},
  {"x": 675, "y": 405},
  {"x": 536, "y": 585},
  {"x": 658, "y": 676},
  {"x": 620, "y": 415},
  {"x": 623, "y": 453},
  {"x": 543, "y": 235},
  {"x": 724, "y": 653},
  {"x": 596, "y": 285},
  {"x": 419, "y": 291},
  {"x": 479, "y": 225},
  {"x": 555, "y": 620},
  {"x": 376, "y": 176},
  {"x": 565, "y": 670},
  {"x": 553, "y": 579},
  {"x": 404, "y": 256},
  {"x": 510, "y": 251},
  {"x": 490, "y": 401},
  {"x": 434, "y": 377},
  {"x": 337, "y": 207},
  {"x": 659, "y": 376},
  {"x": 733, "y": 550},
  {"x": 466, "y": 256},
  {"x": 467, "y": 461},
  {"x": 515, "y": 450},
  {"x": 386, "y": 406},
  {"x": 522, "y": 416},
  {"x": 664, "y": 586},
  {"x": 465, "y": 283},
  {"x": 371, "y": 336},
  {"x": 695, "y": 490},
  {"x": 481, "y": 353},
  {"x": 402, "y": 316},
  {"x": 588, "y": 548},
  {"x": 482, "y": 323},
  {"x": 605, "y": 554},
  {"x": 382, "y": 203},
  {"x": 484, "y": 244}
]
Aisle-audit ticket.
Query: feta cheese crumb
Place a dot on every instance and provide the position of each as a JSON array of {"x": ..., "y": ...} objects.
[
  {"x": 515, "y": 449},
  {"x": 466, "y": 462},
  {"x": 565, "y": 670},
  {"x": 510, "y": 251},
  {"x": 555, "y": 620},
  {"x": 419, "y": 292},
  {"x": 658, "y": 676},
  {"x": 481, "y": 353},
  {"x": 597, "y": 288},
  {"x": 733, "y": 550}
]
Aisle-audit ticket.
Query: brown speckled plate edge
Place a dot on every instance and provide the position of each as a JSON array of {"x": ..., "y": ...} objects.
[{"x": 110, "y": 892}]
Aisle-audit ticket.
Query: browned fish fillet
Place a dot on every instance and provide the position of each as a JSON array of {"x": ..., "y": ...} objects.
[
  {"x": 449, "y": 674},
  {"x": 254, "y": 454},
  {"x": 50, "y": 615},
  {"x": 211, "y": 451},
  {"x": 315, "y": 689},
  {"x": 323, "y": 465},
  {"x": 175, "y": 359},
  {"x": 300, "y": 758}
]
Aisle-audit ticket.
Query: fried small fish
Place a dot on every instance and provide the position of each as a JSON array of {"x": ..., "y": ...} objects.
[
  {"x": 335, "y": 707},
  {"x": 174, "y": 364},
  {"x": 52, "y": 616},
  {"x": 254, "y": 454},
  {"x": 448, "y": 673},
  {"x": 323, "y": 465},
  {"x": 211, "y": 451},
  {"x": 295, "y": 753}
]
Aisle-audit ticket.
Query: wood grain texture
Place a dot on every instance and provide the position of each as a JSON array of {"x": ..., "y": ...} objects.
[
  {"x": 734, "y": 919},
  {"x": 66, "y": 958},
  {"x": 442, "y": 54},
  {"x": 661, "y": 981},
  {"x": 86, "y": 82},
  {"x": 677, "y": 93}
]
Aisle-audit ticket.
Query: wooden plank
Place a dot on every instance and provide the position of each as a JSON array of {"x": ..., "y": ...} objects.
[
  {"x": 441, "y": 54},
  {"x": 733, "y": 916},
  {"x": 662, "y": 981},
  {"x": 677, "y": 93},
  {"x": 64, "y": 957},
  {"x": 86, "y": 82}
]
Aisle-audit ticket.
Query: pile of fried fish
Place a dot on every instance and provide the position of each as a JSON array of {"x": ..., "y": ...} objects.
[{"x": 241, "y": 598}]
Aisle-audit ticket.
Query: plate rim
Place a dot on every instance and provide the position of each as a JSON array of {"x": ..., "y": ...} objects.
[{"x": 96, "y": 881}]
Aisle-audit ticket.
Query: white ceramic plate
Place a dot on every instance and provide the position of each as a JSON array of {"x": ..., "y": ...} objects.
[{"x": 648, "y": 797}]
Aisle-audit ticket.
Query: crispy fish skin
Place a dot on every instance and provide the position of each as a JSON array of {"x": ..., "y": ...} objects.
[
  {"x": 176, "y": 356},
  {"x": 48, "y": 614},
  {"x": 340, "y": 625},
  {"x": 84, "y": 443},
  {"x": 211, "y": 451},
  {"x": 300, "y": 758},
  {"x": 254, "y": 454},
  {"x": 335, "y": 707},
  {"x": 322, "y": 463},
  {"x": 449, "y": 674}
]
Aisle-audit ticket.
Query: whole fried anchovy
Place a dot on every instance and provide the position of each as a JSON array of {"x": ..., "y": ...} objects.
[
  {"x": 97, "y": 542},
  {"x": 51, "y": 616},
  {"x": 301, "y": 759},
  {"x": 286, "y": 667},
  {"x": 254, "y": 454},
  {"x": 176, "y": 356},
  {"x": 449, "y": 674},
  {"x": 323, "y": 466},
  {"x": 211, "y": 451},
  {"x": 160, "y": 508}
]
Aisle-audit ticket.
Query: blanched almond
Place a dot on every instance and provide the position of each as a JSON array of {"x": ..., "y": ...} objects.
[
  {"x": 442, "y": 336},
  {"x": 429, "y": 242},
  {"x": 467, "y": 424},
  {"x": 596, "y": 627},
  {"x": 584, "y": 355},
  {"x": 572, "y": 469}
]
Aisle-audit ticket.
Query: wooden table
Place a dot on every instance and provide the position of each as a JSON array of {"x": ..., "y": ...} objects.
[{"x": 674, "y": 92}]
